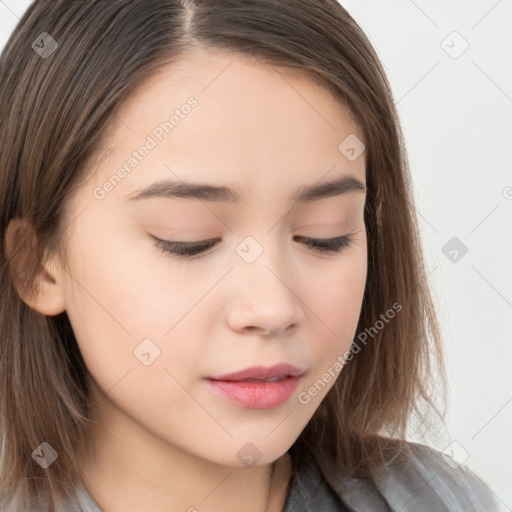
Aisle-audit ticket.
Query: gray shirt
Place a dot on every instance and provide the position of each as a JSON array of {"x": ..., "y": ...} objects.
[{"x": 427, "y": 482}]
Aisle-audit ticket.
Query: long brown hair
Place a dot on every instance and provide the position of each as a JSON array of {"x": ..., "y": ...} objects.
[{"x": 55, "y": 109}]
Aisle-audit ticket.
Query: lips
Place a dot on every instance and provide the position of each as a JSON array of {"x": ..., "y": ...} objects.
[{"x": 261, "y": 373}]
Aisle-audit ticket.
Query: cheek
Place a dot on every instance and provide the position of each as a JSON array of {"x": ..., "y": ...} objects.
[
  {"x": 121, "y": 336},
  {"x": 112, "y": 304},
  {"x": 127, "y": 301},
  {"x": 338, "y": 309},
  {"x": 335, "y": 298},
  {"x": 336, "y": 291}
]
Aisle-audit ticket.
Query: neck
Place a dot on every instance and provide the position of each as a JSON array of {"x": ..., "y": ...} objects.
[{"x": 132, "y": 469}]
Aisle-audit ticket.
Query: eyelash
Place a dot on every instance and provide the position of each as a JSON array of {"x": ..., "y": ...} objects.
[{"x": 190, "y": 249}]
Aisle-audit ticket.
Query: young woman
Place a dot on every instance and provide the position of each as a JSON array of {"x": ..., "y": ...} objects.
[{"x": 212, "y": 290}]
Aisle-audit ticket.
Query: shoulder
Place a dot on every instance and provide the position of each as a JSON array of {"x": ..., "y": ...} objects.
[
  {"x": 425, "y": 479},
  {"x": 418, "y": 479}
]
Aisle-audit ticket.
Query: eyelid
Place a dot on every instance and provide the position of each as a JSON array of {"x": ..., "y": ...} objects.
[
  {"x": 185, "y": 250},
  {"x": 181, "y": 249}
]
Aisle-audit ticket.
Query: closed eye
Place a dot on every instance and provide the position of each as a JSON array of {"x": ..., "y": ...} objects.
[{"x": 190, "y": 249}]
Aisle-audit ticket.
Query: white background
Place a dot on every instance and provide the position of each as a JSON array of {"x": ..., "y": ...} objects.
[{"x": 457, "y": 119}]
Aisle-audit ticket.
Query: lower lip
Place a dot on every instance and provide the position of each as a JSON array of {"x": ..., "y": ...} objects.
[{"x": 255, "y": 395}]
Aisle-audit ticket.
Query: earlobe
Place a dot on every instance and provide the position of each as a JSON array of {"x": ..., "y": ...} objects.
[{"x": 38, "y": 285}]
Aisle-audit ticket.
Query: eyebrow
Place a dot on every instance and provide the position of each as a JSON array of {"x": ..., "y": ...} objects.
[{"x": 169, "y": 189}]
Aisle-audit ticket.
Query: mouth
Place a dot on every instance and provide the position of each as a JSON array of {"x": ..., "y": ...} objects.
[
  {"x": 271, "y": 379},
  {"x": 258, "y": 387},
  {"x": 275, "y": 373}
]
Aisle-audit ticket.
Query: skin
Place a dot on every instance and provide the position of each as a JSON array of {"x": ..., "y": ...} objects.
[{"x": 161, "y": 439}]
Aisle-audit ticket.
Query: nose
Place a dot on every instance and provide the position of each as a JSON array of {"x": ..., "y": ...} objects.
[{"x": 267, "y": 298}]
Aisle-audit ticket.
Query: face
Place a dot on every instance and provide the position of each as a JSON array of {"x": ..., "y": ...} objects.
[{"x": 151, "y": 324}]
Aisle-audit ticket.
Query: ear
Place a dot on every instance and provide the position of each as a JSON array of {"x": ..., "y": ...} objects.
[{"x": 39, "y": 285}]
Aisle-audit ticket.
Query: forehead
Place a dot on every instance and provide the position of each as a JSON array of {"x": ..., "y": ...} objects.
[{"x": 252, "y": 122}]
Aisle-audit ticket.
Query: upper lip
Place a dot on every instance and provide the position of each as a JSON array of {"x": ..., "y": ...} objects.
[{"x": 261, "y": 372}]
